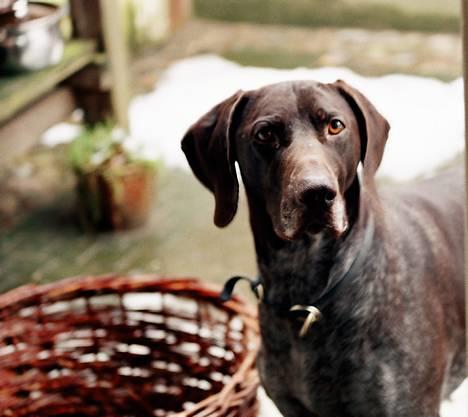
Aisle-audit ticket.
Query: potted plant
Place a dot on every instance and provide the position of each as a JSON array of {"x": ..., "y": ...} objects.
[{"x": 114, "y": 185}]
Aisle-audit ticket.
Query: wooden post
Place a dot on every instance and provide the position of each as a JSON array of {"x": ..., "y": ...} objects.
[
  {"x": 91, "y": 95},
  {"x": 112, "y": 12},
  {"x": 465, "y": 76},
  {"x": 86, "y": 20}
]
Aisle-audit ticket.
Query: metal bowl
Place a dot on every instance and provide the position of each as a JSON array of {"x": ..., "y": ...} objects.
[{"x": 33, "y": 42}]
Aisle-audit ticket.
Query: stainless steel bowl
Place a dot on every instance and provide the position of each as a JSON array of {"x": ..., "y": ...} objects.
[{"x": 34, "y": 42}]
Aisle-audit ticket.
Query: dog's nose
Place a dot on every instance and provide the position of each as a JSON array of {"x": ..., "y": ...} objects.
[{"x": 317, "y": 193}]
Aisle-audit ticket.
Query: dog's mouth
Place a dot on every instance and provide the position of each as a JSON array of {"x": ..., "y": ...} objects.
[{"x": 295, "y": 221}]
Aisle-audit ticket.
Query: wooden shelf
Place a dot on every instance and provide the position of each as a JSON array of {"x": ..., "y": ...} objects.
[{"x": 18, "y": 91}]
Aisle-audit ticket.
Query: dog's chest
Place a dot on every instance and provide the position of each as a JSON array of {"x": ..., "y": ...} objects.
[
  {"x": 285, "y": 367},
  {"x": 313, "y": 372},
  {"x": 305, "y": 372}
]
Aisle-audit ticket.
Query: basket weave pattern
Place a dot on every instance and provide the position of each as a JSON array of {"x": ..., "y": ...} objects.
[{"x": 126, "y": 346}]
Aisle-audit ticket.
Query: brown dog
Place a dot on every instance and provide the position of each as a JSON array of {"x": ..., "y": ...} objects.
[{"x": 385, "y": 269}]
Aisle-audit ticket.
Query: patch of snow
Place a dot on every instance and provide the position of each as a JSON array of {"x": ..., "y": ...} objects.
[
  {"x": 457, "y": 404},
  {"x": 426, "y": 114},
  {"x": 61, "y": 133}
]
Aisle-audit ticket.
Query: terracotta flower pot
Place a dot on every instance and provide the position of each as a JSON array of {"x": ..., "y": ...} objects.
[
  {"x": 115, "y": 185},
  {"x": 115, "y": 198}
]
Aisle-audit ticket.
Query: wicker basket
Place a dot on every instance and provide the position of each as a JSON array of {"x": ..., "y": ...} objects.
[{"x": 126, "y": 346}]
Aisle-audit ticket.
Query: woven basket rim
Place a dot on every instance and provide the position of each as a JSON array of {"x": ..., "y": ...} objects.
[{"x": 63, "y": 289}]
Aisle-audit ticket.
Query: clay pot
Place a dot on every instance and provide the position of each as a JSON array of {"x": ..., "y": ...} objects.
[{"x": 115, "y": 198}]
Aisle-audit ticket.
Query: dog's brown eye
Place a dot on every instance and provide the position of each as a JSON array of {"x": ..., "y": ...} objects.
[
  {"x": 265, "y": 135},
  {"x": 335, "y": 126}
]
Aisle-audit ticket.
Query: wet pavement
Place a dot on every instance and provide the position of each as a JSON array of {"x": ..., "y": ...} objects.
[{"x": 39, "y": 238}]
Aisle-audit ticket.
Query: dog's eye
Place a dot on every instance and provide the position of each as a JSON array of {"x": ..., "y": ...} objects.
[
  {"x": 265, "y": 135},
  {"x": 335, "y": 126}
]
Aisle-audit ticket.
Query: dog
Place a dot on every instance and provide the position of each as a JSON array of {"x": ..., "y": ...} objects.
[{"x": 362, "y": 312}]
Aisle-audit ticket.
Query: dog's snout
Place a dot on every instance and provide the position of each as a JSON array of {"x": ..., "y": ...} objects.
[{"x": 317, "y": 193}]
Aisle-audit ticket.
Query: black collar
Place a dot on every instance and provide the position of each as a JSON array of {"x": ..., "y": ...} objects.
[{"x": 312, "y": 310}]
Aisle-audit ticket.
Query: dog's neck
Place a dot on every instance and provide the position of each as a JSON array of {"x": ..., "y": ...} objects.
[{"x": 294, "y": 272}]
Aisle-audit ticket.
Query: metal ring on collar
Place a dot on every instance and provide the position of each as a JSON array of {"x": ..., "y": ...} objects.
[{"x": 313, "y": 315}]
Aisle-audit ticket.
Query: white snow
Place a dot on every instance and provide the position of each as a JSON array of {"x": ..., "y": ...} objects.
[
  {"x": 426, "y": 114},
  {"x": 457, "y": 405}
]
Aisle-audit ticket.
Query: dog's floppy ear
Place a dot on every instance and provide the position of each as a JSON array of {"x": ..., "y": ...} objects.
[
  {"x": 209, "y": 148},
  {"x": 373, "y": 129}
]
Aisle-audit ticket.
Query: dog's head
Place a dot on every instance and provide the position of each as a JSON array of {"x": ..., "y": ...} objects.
[{"x": 298, "y": 146}]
